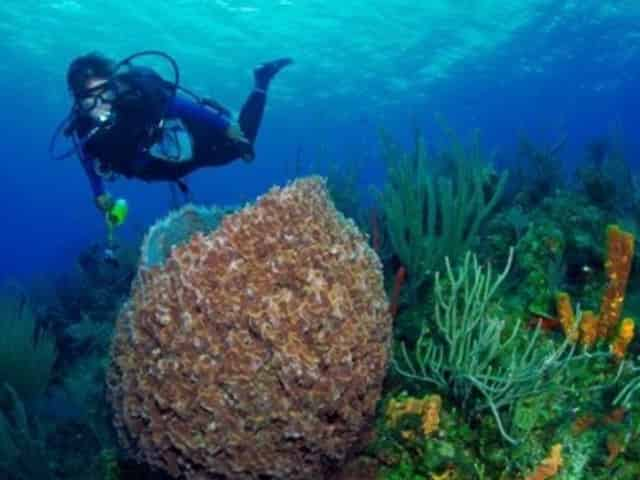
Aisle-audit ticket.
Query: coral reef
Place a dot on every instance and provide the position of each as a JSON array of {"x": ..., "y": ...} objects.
[
  {"x": 257, "y": 350},
  {"x": 467, "y": 354},
  {"x": 607, "y": 325},
  {"x": 252, "y": 349}
]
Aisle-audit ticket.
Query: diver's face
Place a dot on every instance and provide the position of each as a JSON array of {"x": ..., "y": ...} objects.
[{"x": 97, "y": 101}]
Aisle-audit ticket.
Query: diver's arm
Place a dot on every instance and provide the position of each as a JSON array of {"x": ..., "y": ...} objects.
[
  {"x": 95, "y": 180},
  {"x": 103, "y": 200}
]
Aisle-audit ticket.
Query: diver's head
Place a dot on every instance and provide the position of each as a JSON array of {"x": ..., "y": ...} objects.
[
  {"x": 88, "y": 80},
  {"x": 88, "y": 67}
]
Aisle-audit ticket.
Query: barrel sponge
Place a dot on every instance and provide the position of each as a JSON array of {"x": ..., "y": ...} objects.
[
  {"x": 257, "y": 350},
  {"x": 177, "y": 228}
]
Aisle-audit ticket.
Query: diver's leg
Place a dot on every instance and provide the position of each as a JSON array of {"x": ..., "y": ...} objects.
[
  {"x": 251, "y": 114},
  {"x": 253, "y": 108}
]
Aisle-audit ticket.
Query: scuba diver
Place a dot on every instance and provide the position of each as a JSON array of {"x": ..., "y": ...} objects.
[{"x": 128, "y": 120}]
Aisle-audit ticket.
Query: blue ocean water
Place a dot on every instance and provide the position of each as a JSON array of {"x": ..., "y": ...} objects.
[
  {"x": 551, "y": 71},
  {"x": 539, "y": 66}
]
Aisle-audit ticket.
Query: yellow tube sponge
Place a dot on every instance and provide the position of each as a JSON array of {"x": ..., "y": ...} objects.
[
  {"x": 428, "y": 408},
  {"x": 566, "y": 316},
  {"x": 623, "y": 339},
  {"x": 550, "y": 465},
  {"x": 620, "y": 248},
  {"x": 588, "y": 328}
]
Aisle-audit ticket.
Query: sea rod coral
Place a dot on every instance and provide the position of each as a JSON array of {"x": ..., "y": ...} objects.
[{"x": 257, "y": 350}]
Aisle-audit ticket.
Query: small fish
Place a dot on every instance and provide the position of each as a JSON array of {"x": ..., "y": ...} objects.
[
  {"x": 615, "y": 416},
  {"x": 582, "y": 423},
  {"x": 548, "y": 324}
]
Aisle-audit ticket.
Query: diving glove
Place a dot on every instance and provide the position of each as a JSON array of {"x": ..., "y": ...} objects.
[
  {"x": 117, "y": 214},
  {"x": 104, "y": 202},
  {"x": 115, "y": 211}
]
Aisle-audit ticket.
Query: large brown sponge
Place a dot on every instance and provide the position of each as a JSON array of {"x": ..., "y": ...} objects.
[{"x": 255, "y": 351}]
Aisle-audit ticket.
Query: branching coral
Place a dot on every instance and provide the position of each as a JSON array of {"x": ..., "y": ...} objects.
[
  {"x": 26, "y": 355},
  {"x": 462, "y": 352},
  {"x": 22, "y": 441},
  {"x": 625, "y": 396},
  {"x": 429, "y": 217},
  {"x": 257, "y": 350}
]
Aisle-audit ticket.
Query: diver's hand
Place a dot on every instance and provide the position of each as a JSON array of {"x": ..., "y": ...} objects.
[
  {"x": 235, "y": 133},
  {"x": 104, "y": 202},
  {"x": 115, "y": 211},
  {"x": 245, "y": 148}
]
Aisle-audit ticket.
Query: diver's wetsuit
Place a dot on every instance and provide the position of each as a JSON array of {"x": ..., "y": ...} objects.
[{"x": 124, "y": 147}]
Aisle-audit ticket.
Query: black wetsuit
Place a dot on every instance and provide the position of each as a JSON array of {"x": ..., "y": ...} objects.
[{"x": 123, "y": 147}]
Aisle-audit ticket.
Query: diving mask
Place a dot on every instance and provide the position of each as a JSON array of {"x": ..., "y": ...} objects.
[{"x": 97, "y": 101}]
